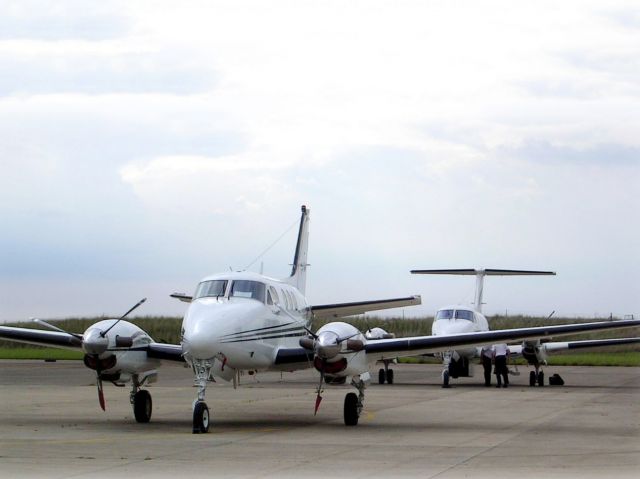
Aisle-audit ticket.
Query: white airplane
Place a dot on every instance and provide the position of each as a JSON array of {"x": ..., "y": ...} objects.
[
  {"x": 456, "y": 319},
  {"x": 249, "y": 322}
]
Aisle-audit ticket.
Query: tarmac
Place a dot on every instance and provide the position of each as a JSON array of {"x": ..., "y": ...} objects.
[{"x": 51, "y": 426}]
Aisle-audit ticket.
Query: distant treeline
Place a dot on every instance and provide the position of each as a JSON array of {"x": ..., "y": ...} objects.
[{"x": 167, "y": 329}]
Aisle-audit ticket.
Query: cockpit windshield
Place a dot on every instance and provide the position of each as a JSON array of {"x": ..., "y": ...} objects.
[
  {"x": 248, "y": 289},
  {"x": 444, "y": 314},
  {"x": 211, "y": 288},
  {"x": 464, "y": 314}
]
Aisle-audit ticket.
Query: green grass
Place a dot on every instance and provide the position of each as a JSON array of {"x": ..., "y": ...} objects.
[
  {"x": 623, "y": 358},
  {"x": 34, "y": 352}
]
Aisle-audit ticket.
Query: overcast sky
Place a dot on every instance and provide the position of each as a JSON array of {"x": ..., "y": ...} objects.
[{"x": 145, "y": 145}]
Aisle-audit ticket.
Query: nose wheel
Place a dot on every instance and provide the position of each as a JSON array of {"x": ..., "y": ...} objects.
[
  {"x": 536, "y": 377},
  {"x": 200, "y": 418}
]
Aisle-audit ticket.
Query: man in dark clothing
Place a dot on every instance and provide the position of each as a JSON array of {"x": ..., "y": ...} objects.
[
  {"x": 501, "y": 351},
  {"x": 487, "y": 356}
]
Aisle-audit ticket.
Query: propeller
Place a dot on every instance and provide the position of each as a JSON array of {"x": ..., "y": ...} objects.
[
  {"x": 326, "y": 346},
  {"x": 95, "y": 343}
]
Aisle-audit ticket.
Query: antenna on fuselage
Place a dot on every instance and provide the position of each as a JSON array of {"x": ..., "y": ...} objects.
[{"x": 480, "y": 274}]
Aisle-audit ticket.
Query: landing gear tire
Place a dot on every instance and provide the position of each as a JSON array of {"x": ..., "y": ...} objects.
[
  {"x": 200, "y": 418},
  {"x": 351, "y": 409},
  {"x": 142, "y": 406},
  {"x": 540, "y": 379},
  {"x": 390, "y": 376},
  {"x": 532, "y": 378},
  {"x": 381, "y": 376},
  {"x": 445, "y": 379}
]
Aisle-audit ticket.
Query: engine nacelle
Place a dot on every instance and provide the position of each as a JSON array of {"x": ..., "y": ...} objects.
[
  {"x": 339, "y": 350},
  {"x": 378, "y": 333},
  {"x": 119, "y": 351},
  {"x": 534, "y": 353}
]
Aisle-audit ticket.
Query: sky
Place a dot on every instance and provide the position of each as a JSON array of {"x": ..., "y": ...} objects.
[{"x": 147, "y": 144}]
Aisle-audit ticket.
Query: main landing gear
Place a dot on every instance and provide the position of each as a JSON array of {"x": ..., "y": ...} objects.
[
  {"x": 386, "y": 373},
  {"x": 353, "y": 402},
  {"x": 141, "y": 401},
  {"x": 202, "y": 370}
]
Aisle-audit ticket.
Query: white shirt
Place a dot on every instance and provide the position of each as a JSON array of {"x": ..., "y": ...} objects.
[{"x": 501, "y": 349}]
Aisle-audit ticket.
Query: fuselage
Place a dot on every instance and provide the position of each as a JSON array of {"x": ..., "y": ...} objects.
[
  {"x": 241, "y": 319},
  {"x": 453, "y": 320}
]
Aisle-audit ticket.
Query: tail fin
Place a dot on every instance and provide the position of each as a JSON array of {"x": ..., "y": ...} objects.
[
  {"x": 480, "y": 274},
  {"x": 298, "y": 276}
]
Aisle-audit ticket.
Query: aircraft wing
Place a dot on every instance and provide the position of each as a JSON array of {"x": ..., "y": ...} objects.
[
  {"x": 391, "y": 348},
  {"x": 55, "y": 339},
  {"x": 169, "y": 352},
  {"x": 40, "y": 337},
  {"x": 570, "y": 345},
  {"x": 340, "y": 310}
]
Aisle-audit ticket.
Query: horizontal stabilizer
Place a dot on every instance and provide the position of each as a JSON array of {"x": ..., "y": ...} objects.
[
  {"x": 480, "y": 274},
  {"x": 487, "y": 272},
  {"x": 182, "y": 297}
]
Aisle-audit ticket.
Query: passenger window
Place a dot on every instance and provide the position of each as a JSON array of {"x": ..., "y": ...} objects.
[
  {"x": 274, "y": 294},
  {"x": 286, "y": 299},
  {"x": 294, "y": 301}
]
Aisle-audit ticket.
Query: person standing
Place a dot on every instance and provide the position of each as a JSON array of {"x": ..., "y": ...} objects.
[
  {"x": 500, "y": 353},
  {"x": 486, "y": 355}
]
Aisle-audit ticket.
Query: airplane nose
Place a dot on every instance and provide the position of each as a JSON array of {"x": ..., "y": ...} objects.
[{"x": 198, "y": 345}]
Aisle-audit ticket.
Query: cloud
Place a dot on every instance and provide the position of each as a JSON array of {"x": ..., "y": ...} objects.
[
  {"x": 100, "y": 72},
  {"x": 181, "y": 139},
  {"x": 61, "y": 20},
  {"x": 601, "y": 155}
]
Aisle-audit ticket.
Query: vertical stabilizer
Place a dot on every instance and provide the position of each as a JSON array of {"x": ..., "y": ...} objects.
[
  {"x": 298, "y": 276},
  {"x": 480, "y": 274}
]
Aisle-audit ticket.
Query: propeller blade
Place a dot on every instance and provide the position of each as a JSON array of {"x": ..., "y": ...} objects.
[
  {"x": 104, "y": 333},
  {"x": 319, "y": 390},
  {"x": 311, "y": 333},
  {"x": 101, "y": 394},
  {"x": 318, "y": 401}
]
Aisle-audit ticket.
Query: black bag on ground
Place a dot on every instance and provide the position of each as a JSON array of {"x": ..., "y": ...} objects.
[{"x": 556, "y": 380}]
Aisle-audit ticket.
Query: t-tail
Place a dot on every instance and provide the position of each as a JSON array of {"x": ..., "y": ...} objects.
[
  {"x": 298, "y": 276},
  {"x": 480, "y": 274}
]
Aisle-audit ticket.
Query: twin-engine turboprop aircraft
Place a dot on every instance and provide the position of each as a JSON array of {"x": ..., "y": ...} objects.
[
  {"x": 249, "y": 322},
  {"x": 458, "y": 319}
]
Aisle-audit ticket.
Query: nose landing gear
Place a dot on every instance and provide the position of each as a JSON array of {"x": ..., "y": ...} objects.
[
  {"x": 536, "y": 377},
  {"x": 202, "y": 371}
]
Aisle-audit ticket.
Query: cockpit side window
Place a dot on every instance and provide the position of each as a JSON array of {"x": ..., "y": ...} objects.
[
  {"x": 444, "y": 314},
  {"x": 248, "y": 289},
  {"x": 464, "y": 314},
  {"x": 213, "y": 288}
]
